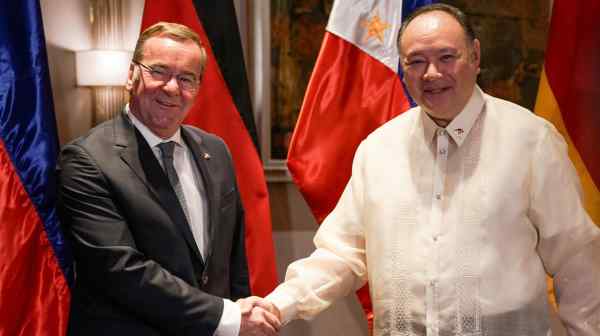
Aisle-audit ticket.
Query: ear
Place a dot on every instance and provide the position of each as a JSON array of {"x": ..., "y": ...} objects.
[
  {"x": 132, "y": 77},
  {"x": 476, "y": 54},
  {"x": 401, "y": 64}
]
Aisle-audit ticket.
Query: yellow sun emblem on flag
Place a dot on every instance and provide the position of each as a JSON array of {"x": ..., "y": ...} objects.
[{"x": 375, "y": 27}]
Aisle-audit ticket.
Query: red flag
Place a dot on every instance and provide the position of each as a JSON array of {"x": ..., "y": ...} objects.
[
  {"x": 34, "y": 263},
  {"x": 567, "y": 94},
  {"x": 354, "y": 88},
  {"x": 221, "y": 108},
  {"x": 349, "y": 95}
]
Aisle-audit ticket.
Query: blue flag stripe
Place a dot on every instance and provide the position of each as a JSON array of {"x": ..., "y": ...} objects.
[{"x": 27, "y": 122}]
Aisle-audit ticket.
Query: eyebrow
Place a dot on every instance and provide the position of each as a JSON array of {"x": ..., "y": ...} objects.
[
  {"x": 418, "y": 53},
  {"x": 452, "y": 50},
  {"x": 157, "y": 65}
]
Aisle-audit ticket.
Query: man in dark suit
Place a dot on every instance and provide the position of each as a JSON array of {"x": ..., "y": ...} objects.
[{"x": 153, "y": 211}]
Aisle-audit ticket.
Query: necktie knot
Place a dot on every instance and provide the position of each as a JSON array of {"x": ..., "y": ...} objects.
[{"x": 166, "y": 149}]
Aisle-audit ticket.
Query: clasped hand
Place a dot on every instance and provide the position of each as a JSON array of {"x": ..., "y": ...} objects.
[{"x": 259, "y": 317}]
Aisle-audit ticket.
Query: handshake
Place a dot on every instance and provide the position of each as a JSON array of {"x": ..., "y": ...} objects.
[{"x": 259, "y": 317}]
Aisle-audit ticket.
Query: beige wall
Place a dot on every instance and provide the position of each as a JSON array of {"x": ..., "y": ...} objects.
[
  {"x": 293, "y": 230},
  {"x": 67, "y": 28}
]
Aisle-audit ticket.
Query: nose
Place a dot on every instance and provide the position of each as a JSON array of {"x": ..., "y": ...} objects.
[
  {"x": 172, "y": 86},
  {"x": 431, "y": 72}
]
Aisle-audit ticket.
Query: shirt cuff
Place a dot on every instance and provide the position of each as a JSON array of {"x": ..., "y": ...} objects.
[
  {"x": 229, "y": 325},
  {"x": 285, "y": 303}
]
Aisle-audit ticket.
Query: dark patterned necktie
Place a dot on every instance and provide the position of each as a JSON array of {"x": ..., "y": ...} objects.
[{"x": 166, "y": 149}]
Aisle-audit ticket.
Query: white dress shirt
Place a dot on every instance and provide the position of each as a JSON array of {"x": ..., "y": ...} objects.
[
  {"x": 455, "y": 229},
  {"x": 196, "y": 203}
]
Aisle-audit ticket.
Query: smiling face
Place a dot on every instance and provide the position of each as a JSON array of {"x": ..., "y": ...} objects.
[
  {"x": 160, "y": 105},
  {"x": 440, "y": 65}
]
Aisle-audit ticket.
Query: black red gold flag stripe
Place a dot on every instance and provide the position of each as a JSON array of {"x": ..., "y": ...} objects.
[
  {"x": 570, "y": 87},
  {"x": 220, "y": 24}
]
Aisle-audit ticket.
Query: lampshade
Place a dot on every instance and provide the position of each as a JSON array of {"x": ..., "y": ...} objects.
[{"x": 102, "y": 67}]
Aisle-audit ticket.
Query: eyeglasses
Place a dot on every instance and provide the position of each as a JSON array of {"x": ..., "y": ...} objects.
[{"x": 187, "y": 82}]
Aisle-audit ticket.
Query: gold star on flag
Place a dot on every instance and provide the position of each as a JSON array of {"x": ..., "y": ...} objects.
[{"x": 375, "y": 27}]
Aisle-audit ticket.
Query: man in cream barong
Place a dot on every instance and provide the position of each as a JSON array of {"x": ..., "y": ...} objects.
[{"x": 456, "y": 210}]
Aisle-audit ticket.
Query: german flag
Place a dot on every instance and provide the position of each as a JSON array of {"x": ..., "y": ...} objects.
[{"x": 569, "y": 89}]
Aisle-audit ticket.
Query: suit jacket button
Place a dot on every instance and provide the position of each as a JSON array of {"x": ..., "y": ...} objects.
[{"x": 204, "y": 279}]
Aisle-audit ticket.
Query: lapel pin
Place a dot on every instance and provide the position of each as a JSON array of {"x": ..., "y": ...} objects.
[
  {"x": 206, "y": 156},
  {"x": 459, "y": 131}
]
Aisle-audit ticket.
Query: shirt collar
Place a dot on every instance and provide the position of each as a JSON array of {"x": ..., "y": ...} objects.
[
  {"x": 151, "y": 138},
  {"x": 459, "y": 128}
]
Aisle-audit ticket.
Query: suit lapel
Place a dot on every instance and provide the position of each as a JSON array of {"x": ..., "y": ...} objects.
[
  {"x": 125, "y": 139},
  {"x": 139, "y": 157},
  {"x": 201, "y": 159}
]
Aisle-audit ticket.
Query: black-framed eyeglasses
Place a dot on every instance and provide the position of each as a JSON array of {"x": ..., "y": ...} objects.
[{"x": 187, "y": 82}]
